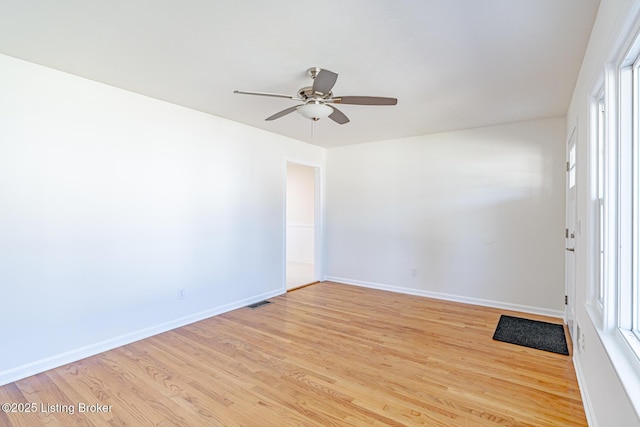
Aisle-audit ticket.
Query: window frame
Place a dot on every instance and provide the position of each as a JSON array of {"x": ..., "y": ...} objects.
[
  {"x": 600, "y": 195},
  {"x": 617, "y": 324},
  {"x": 634, "y": 187},
  {"x": 623, "y": 300}
]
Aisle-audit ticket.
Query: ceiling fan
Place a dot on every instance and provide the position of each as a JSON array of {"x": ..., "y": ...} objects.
[{"x": 317, "y": 99}]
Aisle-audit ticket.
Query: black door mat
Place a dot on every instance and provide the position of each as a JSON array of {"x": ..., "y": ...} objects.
[{"x": 532, "y": 333}]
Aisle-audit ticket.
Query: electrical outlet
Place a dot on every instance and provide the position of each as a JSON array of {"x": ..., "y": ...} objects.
[
  {"x": 181, "y": 293},
  {"x": 414, "y": 271}
]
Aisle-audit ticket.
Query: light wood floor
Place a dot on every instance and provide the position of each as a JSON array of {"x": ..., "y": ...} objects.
[{"x": 327, "y": 354}]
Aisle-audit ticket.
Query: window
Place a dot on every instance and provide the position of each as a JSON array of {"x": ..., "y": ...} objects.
[
  {"x": 571, "y": 167},
  {"x": 615, "y": 200},
  {"x": 627, "y": 214},
  {"x": 633, "y": 189},
  {"x": 613, "y": 238},
  {"x": 600, "y": 258},
  {"x": 599, "y": 199}
]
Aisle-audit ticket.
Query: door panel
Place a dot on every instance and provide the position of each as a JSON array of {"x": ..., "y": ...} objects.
[{"x": 570, "y": 232}]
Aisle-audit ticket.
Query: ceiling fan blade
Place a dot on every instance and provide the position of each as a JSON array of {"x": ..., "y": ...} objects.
[
  {"x": 276, "y": 95},
  {"x": 338, "y": 116},
  {"x": 282, "y": 113},
  {"x": 324, "y": 81},
  {"x": 364, "y": 100}
]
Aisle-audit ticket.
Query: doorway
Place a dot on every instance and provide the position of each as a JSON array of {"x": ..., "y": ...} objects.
[{"x": 302, "y": 219}]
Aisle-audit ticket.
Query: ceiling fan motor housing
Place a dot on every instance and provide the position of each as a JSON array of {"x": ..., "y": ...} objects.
[{"x": 308, "y": 93}]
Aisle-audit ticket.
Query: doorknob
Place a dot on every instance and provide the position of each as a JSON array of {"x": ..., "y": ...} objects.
[{"x": 571, "y": 249}]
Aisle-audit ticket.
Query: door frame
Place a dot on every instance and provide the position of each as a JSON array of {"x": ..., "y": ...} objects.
[{"x": 319, "y": 212}]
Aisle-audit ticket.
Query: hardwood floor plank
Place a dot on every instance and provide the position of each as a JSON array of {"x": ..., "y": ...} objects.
[{"x": 327, "y": 354}]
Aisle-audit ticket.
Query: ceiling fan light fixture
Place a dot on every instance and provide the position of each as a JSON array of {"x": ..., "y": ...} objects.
[{"x": 315, "y": 110}]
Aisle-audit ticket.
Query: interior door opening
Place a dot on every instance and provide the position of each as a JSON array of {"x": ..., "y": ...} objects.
[{"x": 301, "y": 225}]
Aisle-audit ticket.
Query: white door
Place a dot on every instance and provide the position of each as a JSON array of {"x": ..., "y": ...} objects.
[{"x": 570, "y": 233}]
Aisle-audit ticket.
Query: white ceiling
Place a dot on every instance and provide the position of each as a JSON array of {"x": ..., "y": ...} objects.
[{"x": 452, "y": 64}]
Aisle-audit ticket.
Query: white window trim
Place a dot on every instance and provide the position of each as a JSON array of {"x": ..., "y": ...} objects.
[
  {"x": 628, "y": 132},
  {"x": 613, "y": 323},
  {"x": 621, "y": 345},
  {"x": 593, "y": 303}
]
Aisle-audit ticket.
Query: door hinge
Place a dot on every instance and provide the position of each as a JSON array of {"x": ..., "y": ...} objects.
[
  {"x": 566, "y": 300},
  {"x": 568, "y": 167},
  {"x": 566, "y": 233}
]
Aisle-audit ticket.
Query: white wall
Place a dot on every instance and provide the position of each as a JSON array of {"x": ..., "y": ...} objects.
[
  {"x": 110, "y": 202},
  {"x": 300, "y": 213},
  {"x": 479, "y": 213},
  {"x": 607, "y": 402}
]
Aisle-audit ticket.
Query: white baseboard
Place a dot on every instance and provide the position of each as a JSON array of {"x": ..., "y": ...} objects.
[
  {"x": 584, "y": 393},
  {"x": 29, "y": 369},
  {"x": 449, "y": 297}
]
